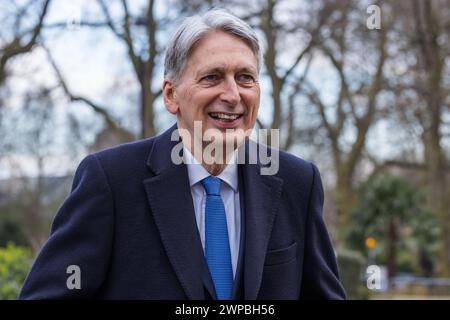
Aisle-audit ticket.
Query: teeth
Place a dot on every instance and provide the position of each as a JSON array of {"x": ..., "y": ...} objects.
[{"x": 224, "y": 116}]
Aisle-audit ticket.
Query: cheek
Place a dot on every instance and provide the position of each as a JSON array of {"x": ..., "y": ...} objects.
[
  {"x": 184, "y": 98},
  {"x": 189, "y": 94},
  {"x": 201, "y": 99},
  {"x": 252, "y": 102},
  {"x": 188, "y": 102}
]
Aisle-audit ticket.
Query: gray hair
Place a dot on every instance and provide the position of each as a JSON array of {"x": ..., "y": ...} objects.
[{"x": 194, "y": 28}]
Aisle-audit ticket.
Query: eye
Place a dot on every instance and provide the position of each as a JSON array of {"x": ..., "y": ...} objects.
[
  {"x": 210, "y": 78},
  {"x": 246, "y": 78}
]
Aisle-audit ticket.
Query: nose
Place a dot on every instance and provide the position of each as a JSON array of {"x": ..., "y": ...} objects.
[{"x": 230, "y": 93}]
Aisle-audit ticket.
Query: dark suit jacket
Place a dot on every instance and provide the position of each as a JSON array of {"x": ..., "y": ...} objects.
[{"x": 129, "y": 225}]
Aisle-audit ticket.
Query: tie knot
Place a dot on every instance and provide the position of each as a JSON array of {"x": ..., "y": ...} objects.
[{"x": 211, "y": 185}]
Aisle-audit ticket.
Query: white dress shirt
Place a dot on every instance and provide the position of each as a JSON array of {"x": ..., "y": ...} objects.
[{"x": 229, "y": 191}]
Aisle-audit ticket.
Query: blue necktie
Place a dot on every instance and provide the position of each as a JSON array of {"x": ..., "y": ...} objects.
[{"x": 217, "y": 246}]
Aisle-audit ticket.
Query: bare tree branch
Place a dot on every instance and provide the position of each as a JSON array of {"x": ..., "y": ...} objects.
[
  {"x": 111, "y": 123},
  {"x": 297, "y": 61},
  {"x": 109, "y": 21},
  {"x": 15, "y": 47},
  {"x": 91, "y": 24},
  {"x": 291, "y": 101},
  {"x": 344, "y": 84},
  {"x": 314, "y": 98},
  {"x": 365, "y": 122}
]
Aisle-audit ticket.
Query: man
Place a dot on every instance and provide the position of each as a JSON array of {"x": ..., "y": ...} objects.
[{"x": 140, "y": 225}]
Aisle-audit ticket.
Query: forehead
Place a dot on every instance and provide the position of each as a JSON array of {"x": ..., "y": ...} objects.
[{"x": 219, "y": 50}]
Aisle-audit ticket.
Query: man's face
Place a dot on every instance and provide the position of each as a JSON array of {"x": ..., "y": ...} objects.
[{"x": 219, "y": 86}]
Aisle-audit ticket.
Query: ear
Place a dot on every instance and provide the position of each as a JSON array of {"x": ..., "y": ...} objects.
[{"x": 169, "y": 96}]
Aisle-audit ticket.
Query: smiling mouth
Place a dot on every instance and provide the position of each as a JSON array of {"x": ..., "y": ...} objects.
[{"x": 225, "y": 116}]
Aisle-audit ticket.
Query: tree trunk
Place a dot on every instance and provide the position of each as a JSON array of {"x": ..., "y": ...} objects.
[
  {"x": 433, "y": 62},
  {"x": 392, "y": 248},
  {"x": 147, "y": 101},
  {"x": 343, "y": 195}
]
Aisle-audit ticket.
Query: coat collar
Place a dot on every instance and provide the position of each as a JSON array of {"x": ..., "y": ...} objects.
[{"x": 170, "y": 200}]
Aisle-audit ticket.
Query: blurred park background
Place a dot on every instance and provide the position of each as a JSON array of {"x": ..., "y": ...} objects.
[{"x": 361, "y": 88}]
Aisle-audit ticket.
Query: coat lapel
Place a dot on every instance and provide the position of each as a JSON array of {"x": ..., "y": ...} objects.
[
  {"x": 171, "y": 204},
  {"x": 262, "y": 200}
]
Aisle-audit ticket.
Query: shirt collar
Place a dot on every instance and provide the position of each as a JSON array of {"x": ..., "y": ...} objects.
[{"x": 197, "y": 172}]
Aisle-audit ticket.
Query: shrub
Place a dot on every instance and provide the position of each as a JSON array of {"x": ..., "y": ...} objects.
[
  {"x": 351, "y": 269},
  {"x": 14, "y": 266}
]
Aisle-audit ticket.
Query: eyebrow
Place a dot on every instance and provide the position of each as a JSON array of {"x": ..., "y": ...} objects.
[{"x": 222, "y": 70}]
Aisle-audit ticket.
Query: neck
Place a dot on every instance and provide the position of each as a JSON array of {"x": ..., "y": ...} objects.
[
  {"x": 214, "y": 169},
  {"x": 213, "y": 164}
]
